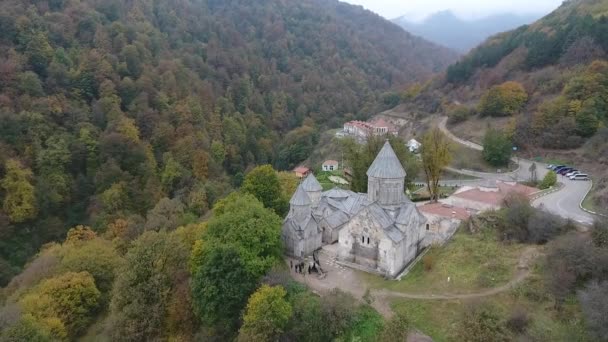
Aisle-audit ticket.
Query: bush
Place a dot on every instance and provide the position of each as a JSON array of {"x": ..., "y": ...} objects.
[
  {"x": 481, "y": 323},
  {"x": 594, "y": 301},
  {"x": 600, "y": 233},
  {"x": 514, "y": 219},
  {"x": 459, "y": 114},
  {"x": 548, "y": 181},
  {"x": 543, "y": 226},
  {"x": 428, "y": 262},
  {"x": 519, "y": 321}
]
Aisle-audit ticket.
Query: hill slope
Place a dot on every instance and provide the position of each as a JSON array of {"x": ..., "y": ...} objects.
[
  {"x": 109, "y": 106},
  {"x": 544, "y": 83},
  {"x": 446, "y": 29}
]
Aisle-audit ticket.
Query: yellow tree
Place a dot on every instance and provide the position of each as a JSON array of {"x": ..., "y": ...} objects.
[
  {"x": 436, "y": 155},
  {"x": 266, "y": 316},
  {"x": 20, "y": 199}
]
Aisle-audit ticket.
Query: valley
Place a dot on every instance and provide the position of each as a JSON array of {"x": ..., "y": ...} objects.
[{"x": 282, "y": 170}]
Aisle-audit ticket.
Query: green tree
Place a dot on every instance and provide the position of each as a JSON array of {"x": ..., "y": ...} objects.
[
  {"x": 241, "y": 243},
  {"x": 497, "y": 148},
  {"x": 308, "y": 322},
  {"x": 587, "y": 122},
  {"x": 436, "y": 155},
  {"x": 30, "y": 83},
  {"x": 263, "y": 183},
  {"x": 20, "y": 200},
  {"x": 548, "y": 181},
  {"x": 241, "y": 220},
  {"x": 143, "y": 285},
  {"x": 221, "y": 283},
  {"x": 95, "y": 256},
  {"x": 27, "y": 328},
  {"x": 266, "y": 315},
  {"x": 71, "y": 297}
]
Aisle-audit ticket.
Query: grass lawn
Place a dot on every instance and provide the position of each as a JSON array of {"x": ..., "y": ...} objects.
[
  {"x": 472, "y": 262},
  {"x": 439, "y": 319},
  {"x": 323, "y": 178},
  {"x": 469, "y": 159}
]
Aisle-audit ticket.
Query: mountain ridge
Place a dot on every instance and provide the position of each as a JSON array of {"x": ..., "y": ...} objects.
[{"x": 447, "y": 29}]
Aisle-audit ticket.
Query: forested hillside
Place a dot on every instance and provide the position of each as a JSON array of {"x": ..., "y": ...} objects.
[
  {"x": 147, "y": 112},
  {"x": 548, "y": 81}
]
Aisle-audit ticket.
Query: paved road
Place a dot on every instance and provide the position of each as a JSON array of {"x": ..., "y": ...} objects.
[{"x": 565, "y": 203}]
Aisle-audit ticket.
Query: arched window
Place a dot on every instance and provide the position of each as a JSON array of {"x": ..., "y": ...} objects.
[
  {"x": 368, "y": 240},
  {"x": 428, "y": 226},
  {"x": 362, "y": 239}
]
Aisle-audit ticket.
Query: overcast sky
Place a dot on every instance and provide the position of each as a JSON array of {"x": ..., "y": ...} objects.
[{"x": 418, "y": 9}]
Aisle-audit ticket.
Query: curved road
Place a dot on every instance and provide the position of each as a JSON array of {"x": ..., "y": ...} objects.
[{"x": 565, "y": 202}]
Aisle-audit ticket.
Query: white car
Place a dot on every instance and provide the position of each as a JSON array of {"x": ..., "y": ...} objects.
[
  {"x": 549, "y": 167},
  {"x": 573, "y": 173},
  {"x": 580, "y": 176}
]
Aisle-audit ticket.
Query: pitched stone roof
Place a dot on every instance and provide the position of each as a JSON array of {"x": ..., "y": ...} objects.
[
  {"x": 336, "y": 193},
  {"x": 386, "y": 165},
  {"x": 300, "y": 197},
  {"x": 311, "y": 184}
]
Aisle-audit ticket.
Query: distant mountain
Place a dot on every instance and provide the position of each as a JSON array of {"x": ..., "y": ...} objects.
[{"x": 446, "y": 29}]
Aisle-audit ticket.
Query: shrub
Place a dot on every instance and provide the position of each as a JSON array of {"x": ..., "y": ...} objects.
[
  {"x": 600, "y": 233},
  {"x": 481, "y": 323},
  {"x": 514, "y": 218},
  {"x": 519, "y": 321},
  {"x": 594, "y": 301},
  {"x": 459, "y": 114},
  {"x": 428, "y": 262},
  {"x": 396, "y": 329},
  {"x": 548, "y": 181},
  {"x": 543, "y": 226}
]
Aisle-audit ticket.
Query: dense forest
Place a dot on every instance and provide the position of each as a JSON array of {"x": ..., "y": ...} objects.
[{"x": 139, "y": 110}]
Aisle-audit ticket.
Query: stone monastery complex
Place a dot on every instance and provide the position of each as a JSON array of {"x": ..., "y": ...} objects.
[{"x": 381, "y": 231}]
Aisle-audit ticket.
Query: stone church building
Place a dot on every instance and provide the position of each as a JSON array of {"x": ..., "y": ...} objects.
[{"x": 381, "y": 231}]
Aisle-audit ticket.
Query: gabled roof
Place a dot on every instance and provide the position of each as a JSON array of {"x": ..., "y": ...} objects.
[
  {"x": 301, "y": 169},
  {"x": 300, "y": 197},
  {"x": 386, "y": 165},
  {"x": 311, "y": 183}
]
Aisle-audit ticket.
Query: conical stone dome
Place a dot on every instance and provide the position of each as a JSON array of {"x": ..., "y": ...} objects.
[
  {"x": 311, "y": 183},
  {"x": 386, "y": 165},
  {"x": 300, "y": 198}
]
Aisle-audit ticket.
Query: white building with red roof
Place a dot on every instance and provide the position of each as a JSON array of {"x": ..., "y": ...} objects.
[{"x": 361, "y": 129}]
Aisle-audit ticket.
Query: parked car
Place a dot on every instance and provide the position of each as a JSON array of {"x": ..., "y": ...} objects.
[
  {"x": 572, "y": 173},
  {"x": 550, "y": 166},
  {"x": 580, "y": 176},
  {"x": 557, "y": 168},
  {"x": 565, "y": 170}
]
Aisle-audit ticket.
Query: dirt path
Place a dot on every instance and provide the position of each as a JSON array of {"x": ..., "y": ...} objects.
[
  {"x": 523, "y": 271},
  {"x": 347, "y": 280}
]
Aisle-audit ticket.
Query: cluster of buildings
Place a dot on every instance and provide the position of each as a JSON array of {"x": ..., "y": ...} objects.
[
  {"x": 381, "y": 231},
  {"x": 361, "y": 129}
]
